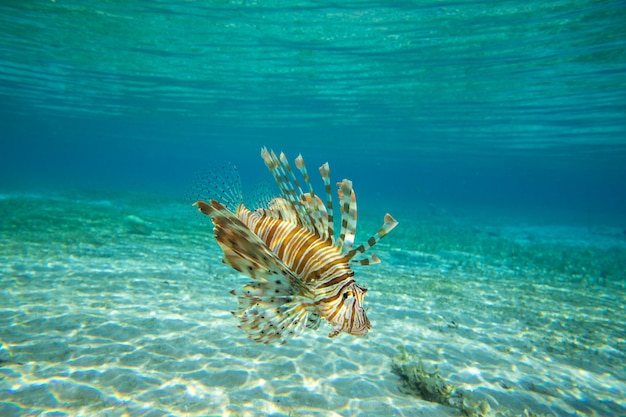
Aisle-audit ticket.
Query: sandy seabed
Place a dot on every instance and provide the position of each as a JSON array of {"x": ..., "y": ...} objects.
[{"x": 115, "y": 305}]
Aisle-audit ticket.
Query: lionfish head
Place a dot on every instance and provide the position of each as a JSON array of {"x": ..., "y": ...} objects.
[{"x": 350, "y": 317}]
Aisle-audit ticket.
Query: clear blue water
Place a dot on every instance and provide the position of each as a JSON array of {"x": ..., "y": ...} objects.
[
  {"x": 517, "y": 102},
  {"x": 500, "y": 117}
]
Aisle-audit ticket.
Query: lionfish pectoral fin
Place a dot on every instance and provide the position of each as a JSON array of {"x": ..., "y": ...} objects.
[
  {"x": 269, "y": 313},
  {"x": 334, "y": 332},
  {"x": 203, "y": 207},
  {"x": 245, "y": 251},
  {"x": 276, "y": 305},
  {"x": 389, "y": 224}
]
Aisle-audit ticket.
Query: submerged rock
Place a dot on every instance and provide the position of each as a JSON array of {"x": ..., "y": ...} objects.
[{"x": 137, "y": 225}]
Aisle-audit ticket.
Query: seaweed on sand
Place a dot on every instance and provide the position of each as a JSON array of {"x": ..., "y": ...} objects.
[
  {"x": 418, "y": 380},
  {"x": 430, "y": 386}
]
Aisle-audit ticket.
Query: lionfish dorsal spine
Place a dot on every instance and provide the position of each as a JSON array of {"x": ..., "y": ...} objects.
[
  {"x": 289, "y": 188},
  {"x": 347, "y": 206},
  {"x": 325, "y": 173},
  {"x": 318, "y": 214},
  {"x": 221, "y": 183},
  {"x": 306, "y": 203},
  {"x": 297, "y": 189},
  {"x": 277, "y": 170},
  {"x": 389, "y": 224},
  {"x": 305, "y": 174},
  {"x": 314, "y": 205}
]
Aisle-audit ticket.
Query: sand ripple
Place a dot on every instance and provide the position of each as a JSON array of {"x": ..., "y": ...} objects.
[{"x": 99, "y": 320}]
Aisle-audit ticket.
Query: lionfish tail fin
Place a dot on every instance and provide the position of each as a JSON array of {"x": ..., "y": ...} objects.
[
  {"x": 260, "y": 195},
  {"x": 389, "y": 224},
  {"x": 220, "y": 183}
]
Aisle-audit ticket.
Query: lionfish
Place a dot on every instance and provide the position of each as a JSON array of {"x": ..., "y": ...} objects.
[{"x": 301, "y": 272}]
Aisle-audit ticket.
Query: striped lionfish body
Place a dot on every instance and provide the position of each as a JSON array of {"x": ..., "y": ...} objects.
[{"x": 301, "y": 272}]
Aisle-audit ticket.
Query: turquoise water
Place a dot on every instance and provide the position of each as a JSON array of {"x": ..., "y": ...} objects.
[{"x": 494, "y": 133}]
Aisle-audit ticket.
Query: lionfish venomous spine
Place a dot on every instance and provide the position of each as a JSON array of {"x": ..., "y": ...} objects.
[{"x": 300, "y": 270}]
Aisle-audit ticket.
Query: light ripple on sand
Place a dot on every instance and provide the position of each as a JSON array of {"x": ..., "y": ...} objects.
[{"x": 104, "y": 322}]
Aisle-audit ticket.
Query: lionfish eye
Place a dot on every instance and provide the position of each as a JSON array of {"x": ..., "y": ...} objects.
[{"x": 347, "y": 294}]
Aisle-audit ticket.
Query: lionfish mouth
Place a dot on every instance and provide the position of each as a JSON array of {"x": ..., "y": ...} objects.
[
  {"x": 362, "y": 329},
  {"x": 357, "y": 325}
]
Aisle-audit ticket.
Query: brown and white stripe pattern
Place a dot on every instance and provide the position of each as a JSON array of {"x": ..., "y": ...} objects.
[{"x": 301, "y": 272}]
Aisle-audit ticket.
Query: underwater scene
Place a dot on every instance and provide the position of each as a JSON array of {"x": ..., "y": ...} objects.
[{"x": 312, "y": 208}]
